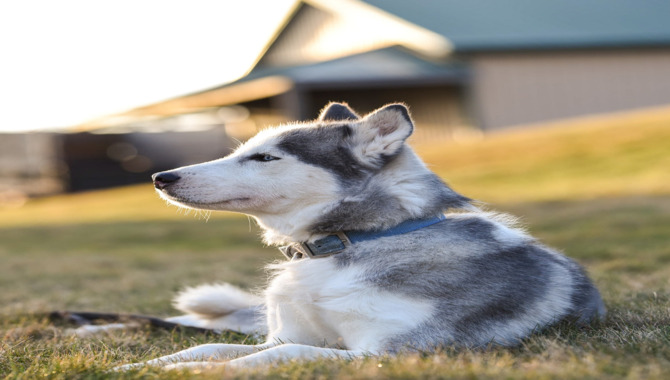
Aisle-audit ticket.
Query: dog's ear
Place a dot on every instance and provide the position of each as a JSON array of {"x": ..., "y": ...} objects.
[
  {"x": 382, "y": 133},
  {"x": 337, "y": 112}
]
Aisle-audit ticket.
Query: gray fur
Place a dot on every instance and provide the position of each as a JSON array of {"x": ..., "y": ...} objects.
[
  {"x": 481, "y": 292},
  {"x": 586, "y": 301},
  {"x": 371, "y": 207},
  {"x": 475, "y": 282},
  {"x": 248, "y": 316}
]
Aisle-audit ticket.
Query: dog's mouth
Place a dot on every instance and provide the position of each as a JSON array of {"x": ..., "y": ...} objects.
[{"x": 199, "y": 204}]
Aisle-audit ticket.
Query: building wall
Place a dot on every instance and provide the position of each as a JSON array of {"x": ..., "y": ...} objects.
[
  {"x": 31, "y": 164},
  {"x": 102, "y": 160},
  {"x": 518, "y": 88}
]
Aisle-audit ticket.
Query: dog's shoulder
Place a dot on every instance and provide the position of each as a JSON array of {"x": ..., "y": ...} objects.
[{"x": 459, "y": 236}]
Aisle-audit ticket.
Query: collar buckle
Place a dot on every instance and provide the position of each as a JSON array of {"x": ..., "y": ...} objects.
[{"x": 324, "y": 247}]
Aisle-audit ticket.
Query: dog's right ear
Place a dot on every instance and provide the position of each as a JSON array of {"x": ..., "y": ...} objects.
[
  {"x": 382, "y": 134},
  {"x": 337, "y": 112}
]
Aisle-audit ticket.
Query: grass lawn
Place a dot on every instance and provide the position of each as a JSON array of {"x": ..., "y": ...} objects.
[{"x": 597, "y": 189}]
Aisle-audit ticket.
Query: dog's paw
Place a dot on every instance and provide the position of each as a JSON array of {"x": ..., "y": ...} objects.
[
  {"x": 128, "y": 367},
  {"x": 191, "y": 366},
  {"x": 195, "y": 366}
]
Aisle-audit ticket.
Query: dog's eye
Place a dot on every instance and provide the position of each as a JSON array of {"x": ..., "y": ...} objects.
[{"x": 263, "y": 157}]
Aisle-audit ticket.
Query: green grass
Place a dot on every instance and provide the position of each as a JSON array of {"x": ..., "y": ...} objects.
[{"x": 124, "y": 250}]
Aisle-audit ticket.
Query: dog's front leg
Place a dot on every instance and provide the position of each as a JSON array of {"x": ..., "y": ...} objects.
[
  {"x": 203, "y": 353},
  {"x": 291, "y": 351},
  {"x": 274, "y": 355}
]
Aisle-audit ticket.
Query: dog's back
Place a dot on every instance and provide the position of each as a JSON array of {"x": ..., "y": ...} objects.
[{"x": 487, "y": 282}]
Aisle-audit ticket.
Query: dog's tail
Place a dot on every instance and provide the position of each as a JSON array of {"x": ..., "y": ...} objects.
[{"x": 215, "y": 300}]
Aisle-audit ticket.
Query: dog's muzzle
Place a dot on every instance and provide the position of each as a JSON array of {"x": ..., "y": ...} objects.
[{"x": 164, "y": 179}]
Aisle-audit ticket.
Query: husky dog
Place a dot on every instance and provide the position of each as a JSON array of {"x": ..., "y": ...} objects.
[{"x": 383, "y": 257}]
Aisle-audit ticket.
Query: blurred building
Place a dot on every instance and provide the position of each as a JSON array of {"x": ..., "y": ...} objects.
[
  {"x": 36, "y": 164},
  {"x": 486, "y": 64},
  {"x": 463, "y": 66},
  {"x": 100, "y": 160},
  {"x": 30, "y": 165}
]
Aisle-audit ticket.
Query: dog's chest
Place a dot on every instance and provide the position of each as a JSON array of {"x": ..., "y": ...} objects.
[
  {"x": 327, "y": 302},
  {"x": 315, "y": 284}
]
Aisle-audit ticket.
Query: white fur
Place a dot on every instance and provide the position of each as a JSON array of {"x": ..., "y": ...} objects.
[
  {"x": 284, "y": 205},
  {"x": 325, "y": 305},
  {"x": 214, "y": 300},
  {"x": 216, "y": 306},
  {"x": 313, "y": 310}
]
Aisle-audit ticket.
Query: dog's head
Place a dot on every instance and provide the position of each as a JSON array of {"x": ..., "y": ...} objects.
[
  {"x": 293, "y": 166},
  {"x": 340, "y": 172}
]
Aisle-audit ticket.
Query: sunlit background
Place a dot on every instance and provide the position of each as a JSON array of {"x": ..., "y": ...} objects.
[
  {"x": 557, "y": 111},
  {"x": 70, "y": 61},
  {"x": 118, "y": 90}
]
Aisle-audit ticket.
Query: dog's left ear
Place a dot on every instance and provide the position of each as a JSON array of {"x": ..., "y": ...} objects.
[
  {"x": 382, "y": 133},
  {"x": 337, "y": 112}
]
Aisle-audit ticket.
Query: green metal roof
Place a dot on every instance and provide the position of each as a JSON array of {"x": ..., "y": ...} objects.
[
  {"x": 479, "y": 25},
  {"x": 376, "y": 68}
]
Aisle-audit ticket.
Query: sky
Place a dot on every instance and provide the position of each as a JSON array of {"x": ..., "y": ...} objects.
[{"x": 68, "y": 61}]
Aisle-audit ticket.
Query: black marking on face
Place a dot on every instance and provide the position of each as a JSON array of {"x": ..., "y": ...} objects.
[{"x": 324, "y": 146}]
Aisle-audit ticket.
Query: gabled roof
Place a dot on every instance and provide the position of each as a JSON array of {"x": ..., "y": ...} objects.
[
  {"x": 377, "y": 68},
  {"x": 478, "y": 25},
  {"x": 323, "y": 30},
  {"x": 374, "y": 68}
]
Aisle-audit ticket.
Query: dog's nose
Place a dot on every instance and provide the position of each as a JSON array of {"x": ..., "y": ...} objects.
[{"x": 164, "y": 179}]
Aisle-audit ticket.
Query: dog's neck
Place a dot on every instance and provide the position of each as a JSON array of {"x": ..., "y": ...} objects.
[{"x": 404, "y": 189}]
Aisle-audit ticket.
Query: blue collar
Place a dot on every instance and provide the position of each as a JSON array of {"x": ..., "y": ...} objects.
[{"x": 334, "y": 244}]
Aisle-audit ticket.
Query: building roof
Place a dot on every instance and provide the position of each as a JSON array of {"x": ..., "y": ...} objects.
[
  {"x": 480, "y": 25},
  {"x": 378, "y": 68},
  {"x": 373, "y": 68},
  {"x": 431, "y": 29}
]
